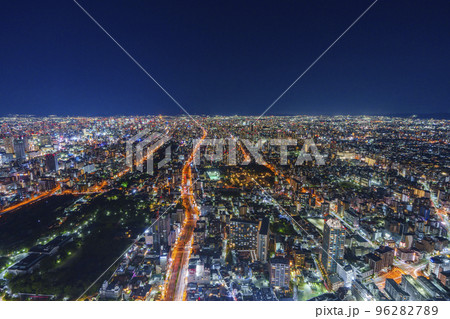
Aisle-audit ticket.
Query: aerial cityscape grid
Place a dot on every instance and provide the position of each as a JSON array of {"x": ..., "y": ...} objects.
[
  {"x": 370, "y": 223},
  {"x": 141, "y": 201}
]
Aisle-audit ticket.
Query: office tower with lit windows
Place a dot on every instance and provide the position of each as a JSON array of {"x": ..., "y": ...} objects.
[
  {"x": 19, "y": 150},
  {"x": 45, "y": 140},
  {"x": 244, "y": 234},
  {"x": 51, "y": 163},
  {"x": 333, "y": 245},
  {"x": 263, "y": 239},
  {"x": 8, "y": 144},
  {"x": 280, "y": 273}
]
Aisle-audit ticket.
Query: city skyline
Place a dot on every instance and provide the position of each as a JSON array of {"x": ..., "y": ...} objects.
[
  {"x": 225, "y": 151},
  {"x": 276, "y": 208}
]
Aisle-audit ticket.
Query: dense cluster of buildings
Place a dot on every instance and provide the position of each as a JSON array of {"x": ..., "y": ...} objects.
[{"x": 369, "y": 223}]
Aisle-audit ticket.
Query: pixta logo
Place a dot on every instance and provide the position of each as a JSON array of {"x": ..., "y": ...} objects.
[
  {"x": 216, "y": 150},
  {"x": 150, "y": 141}
]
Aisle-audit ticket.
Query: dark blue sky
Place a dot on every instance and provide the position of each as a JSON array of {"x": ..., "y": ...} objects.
[{"x": 224, "y": 57}]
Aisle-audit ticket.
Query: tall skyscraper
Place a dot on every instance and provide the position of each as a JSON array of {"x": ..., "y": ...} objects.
[
  {"x": 51, "y": 162},
  {"x": 263, "y": 239},
  {"x": 19, "y": 150},
  {"x": 333, "y": 245}
]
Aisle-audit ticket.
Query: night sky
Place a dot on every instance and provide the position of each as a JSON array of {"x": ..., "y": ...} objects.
[{"x": 224, "y": 57}]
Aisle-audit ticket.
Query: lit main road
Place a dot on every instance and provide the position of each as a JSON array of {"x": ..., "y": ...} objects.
[
  {"x": 414, "y": 270},
  {"x": 31, "y": 200},
  {"x": 435, "y": 203},
  {"x": 178, "y": 266},
  {"x": 400, "y": 268}
]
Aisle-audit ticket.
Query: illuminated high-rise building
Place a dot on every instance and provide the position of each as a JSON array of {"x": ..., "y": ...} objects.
[
  {"x": 19, "y": 150},
  {"x": 8, "y": 144},
  {"x": 280, "y": 273},
  {"x": 243, "y": 234},
  {"x": 263, "y": 239},
  {"x": 333, "y": 245},
  {"x": 51, "y": 162}
]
